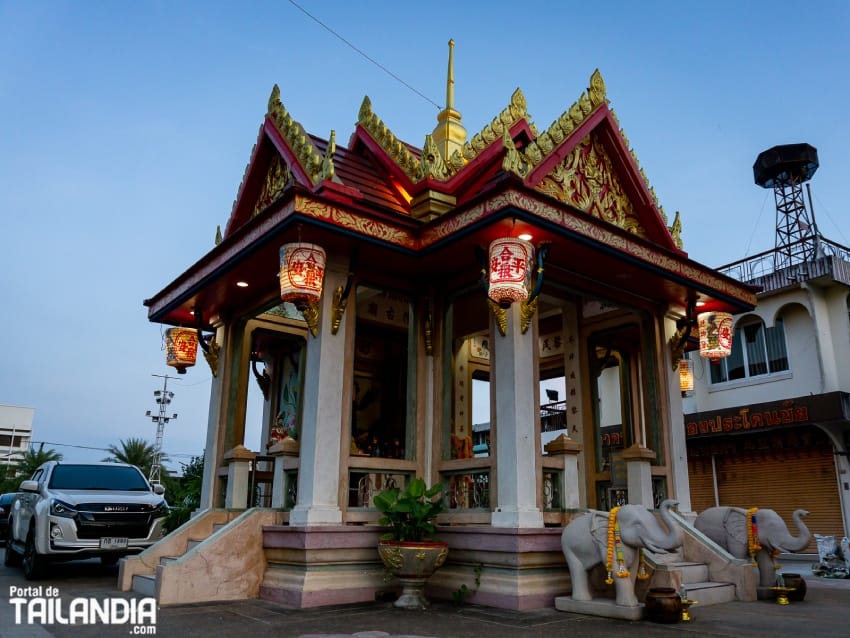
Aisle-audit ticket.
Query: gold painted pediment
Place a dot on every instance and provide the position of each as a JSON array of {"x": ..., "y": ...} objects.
[
  {"x": 277, "y": 177},
  {"x": 586, "y": 179}
]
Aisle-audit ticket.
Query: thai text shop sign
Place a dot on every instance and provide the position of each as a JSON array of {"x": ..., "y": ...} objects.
[{"x": 808, "y": 410}]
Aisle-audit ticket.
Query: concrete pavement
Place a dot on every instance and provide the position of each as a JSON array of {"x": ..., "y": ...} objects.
[{"x": 824, "y": 613}]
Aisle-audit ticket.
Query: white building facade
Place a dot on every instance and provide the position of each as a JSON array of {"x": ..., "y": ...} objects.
[
  {"x": 15, "y": 433},
  {"x": 769, "y": 426}
]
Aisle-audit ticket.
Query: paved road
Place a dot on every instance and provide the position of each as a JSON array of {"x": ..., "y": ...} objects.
[{"x": 825, "y": 613}]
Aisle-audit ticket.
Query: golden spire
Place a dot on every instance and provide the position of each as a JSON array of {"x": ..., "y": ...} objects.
[{"x": 449, "y": 135}]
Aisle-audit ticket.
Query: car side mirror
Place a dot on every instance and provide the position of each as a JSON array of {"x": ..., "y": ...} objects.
[
  {"x": 29, "y": 486},
  {"x": 158, "y": 488}
]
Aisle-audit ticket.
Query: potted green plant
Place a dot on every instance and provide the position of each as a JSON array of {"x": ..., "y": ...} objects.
[{"x": 409, "y": 550}]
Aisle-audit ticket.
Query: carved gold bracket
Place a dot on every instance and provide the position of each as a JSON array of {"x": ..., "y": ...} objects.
[
  {"x": 680, "y": 337},
  {"x": 211, "y": 354},
  {"x": 311, "y": 316},
  {"x": 263, "y": 378},
  {"x": 500, "y": 315},
  {"x": 338, "y": 310},
  {"x": 677, "y": 345},
  {"x": 527, "y": 311}
]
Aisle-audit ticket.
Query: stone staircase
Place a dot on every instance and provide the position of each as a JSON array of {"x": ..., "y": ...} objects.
[
  {"x": 695, "y": 579},
  {"x": 217, "y": 555},
  {"x": 145, "y": 584}
]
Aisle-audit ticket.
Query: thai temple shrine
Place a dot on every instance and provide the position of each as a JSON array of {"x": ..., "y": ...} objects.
[{"x": 503, "y": 312}]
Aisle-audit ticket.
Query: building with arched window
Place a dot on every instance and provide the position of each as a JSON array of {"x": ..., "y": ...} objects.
[
  {"x": 498, "y": 312},
  {"x": 769, "y": 426}
]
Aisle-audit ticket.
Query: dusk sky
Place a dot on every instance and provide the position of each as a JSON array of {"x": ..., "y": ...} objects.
[{"x": 125, "y": 129}]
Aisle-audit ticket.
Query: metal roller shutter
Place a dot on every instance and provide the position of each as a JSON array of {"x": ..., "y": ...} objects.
[{"x": 766, "y": 472}]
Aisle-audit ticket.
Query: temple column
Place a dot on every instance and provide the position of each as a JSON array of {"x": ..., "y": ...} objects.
[
  {"x": 676, "y": 417},
  {"x": 517, "y": 464},
  {"x": 322, "y": 412},
  {"x": 638, "y": 461},
  {"x": 213, "y": 449}
]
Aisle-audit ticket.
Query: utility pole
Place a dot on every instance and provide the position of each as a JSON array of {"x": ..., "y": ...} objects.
[{"x": 163, "y": 398}]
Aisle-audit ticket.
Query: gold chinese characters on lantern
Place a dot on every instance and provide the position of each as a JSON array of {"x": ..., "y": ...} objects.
[
  {"x": 715, "y": 335},
  {"x": 510, "y": 270},
  {"x": 181, "y": 348},
  {"x": 302, "y": 269}
]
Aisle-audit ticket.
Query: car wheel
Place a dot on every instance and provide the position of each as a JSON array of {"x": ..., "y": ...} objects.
[
  {"x": 11, "y": 558},
  {"x": 34, "y": 564}
]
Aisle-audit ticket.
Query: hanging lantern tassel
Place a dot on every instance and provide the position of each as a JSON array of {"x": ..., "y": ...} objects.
[{"x": 181, "y": 348}]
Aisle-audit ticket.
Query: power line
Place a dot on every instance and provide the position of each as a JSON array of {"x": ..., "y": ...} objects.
[
  {"x": 103, "y": 449},
  {"x": 362, "y": 53}
]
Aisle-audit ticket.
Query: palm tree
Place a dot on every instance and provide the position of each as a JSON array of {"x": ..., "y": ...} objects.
[
  {"x": 32, "y": 460},
  {"x": 135, "y": 451}
]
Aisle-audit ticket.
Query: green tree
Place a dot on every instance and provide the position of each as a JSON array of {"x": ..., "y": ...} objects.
[
  {"x": 32, "y": 459},
  {"x": 185, "y": 494},
  {"x": 138, "y": 452}
]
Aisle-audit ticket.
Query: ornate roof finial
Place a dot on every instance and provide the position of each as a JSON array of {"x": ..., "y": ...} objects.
[{"x": 449, "y": 135}]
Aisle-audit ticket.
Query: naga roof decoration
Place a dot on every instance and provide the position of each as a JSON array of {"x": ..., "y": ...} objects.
[
  {"x": 575, "y": 170},
  {"x": 435, "y": 166},
  {"x": 394, "y": 147},
  {"x": 299, "y": 142}
]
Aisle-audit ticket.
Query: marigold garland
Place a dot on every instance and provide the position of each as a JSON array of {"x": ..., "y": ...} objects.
[
  {"x": 753, "y": 544},
  {"x": 615, "y": 548}
]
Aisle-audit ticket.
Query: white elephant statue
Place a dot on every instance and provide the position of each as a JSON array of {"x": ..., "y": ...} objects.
[
  {"x": 585, "y": 544},
  {"x": 727, "y": 526}
]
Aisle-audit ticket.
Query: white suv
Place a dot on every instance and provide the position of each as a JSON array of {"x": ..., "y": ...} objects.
[{"x": 68, "y": 511}]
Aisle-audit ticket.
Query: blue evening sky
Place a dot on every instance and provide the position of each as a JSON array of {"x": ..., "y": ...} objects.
[{"x": 125, "y": 129}]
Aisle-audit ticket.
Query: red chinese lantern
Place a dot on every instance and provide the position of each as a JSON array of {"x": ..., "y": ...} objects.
[
  {"x": 715, "y": 335},
  {"x": 302, "y": 270},
  {"x": 181, "y": 348},
  {"x": 511, "y": 261}
]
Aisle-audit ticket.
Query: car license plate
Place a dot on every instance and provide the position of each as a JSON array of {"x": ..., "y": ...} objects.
[{"x": 113, "y": 543}]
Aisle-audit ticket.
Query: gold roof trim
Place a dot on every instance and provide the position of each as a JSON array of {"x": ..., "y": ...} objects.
[
  {"x": 643, "y": 174},
  {"x": 387, "y": 140},
  {"x": 510, "y": 115},
  {"x": 296, "y": 137}
]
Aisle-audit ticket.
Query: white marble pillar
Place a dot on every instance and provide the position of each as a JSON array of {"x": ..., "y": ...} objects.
[
  {"x": 676, "y": 418},
  {"x": 239, "y": 461},
  {"x": 212, "y": 450},
  {"x": 322, "y": 412},
  {"x": 517, "y": 462}
]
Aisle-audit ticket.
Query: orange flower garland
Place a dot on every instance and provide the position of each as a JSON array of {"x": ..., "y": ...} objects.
[
  {"x": 615, "y": 548},
  {"x": 753, "y": 544}
]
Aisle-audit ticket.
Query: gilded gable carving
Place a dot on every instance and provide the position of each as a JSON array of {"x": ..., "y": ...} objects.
[
  {"x": 276, "y": 180},
  {"x": 586, "y": 179}
]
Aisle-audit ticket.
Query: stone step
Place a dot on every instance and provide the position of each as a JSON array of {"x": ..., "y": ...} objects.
[
  {"x": 164, "y": 560},
  {"x": 692, "y": 572},
  {"x": 710, "y": 593},
  {"x": 144, "y": 584},
  {"x": 192, "y": 544}
]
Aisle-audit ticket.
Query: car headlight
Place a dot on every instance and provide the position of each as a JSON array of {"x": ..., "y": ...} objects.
[
  {"x": 159, "y": 509},
  {"x": 61, "y": 508}
]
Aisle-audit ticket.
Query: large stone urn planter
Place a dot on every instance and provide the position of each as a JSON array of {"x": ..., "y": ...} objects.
[{"x": 412, "y": 562}]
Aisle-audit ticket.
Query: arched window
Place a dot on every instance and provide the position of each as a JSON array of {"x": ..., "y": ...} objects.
[{"x": 756, "y": 351}]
